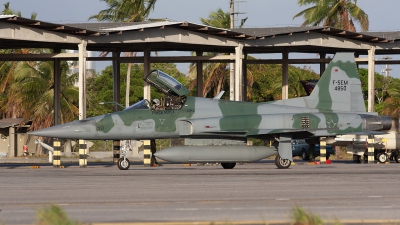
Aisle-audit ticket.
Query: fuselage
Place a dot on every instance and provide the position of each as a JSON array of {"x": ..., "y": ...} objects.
[{"x": 203, "y": 117}]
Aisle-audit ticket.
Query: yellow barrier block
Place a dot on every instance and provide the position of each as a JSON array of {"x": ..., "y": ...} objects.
[
  {"x": 188, "y": 164},
  {"x": 292, "y": 163},
  {"x": 35, "y": 167}
]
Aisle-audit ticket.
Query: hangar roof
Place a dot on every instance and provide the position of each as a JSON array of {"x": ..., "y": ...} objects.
[
  {"x": 10, "y": 122},
  {"x": 96, "y": 29},
  {"x": 18, "y": 32},
  {"x": 275, "y": 31}
]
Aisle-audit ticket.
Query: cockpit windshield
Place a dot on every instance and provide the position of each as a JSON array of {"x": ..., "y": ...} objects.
[
  {"x": 170, "y": 80},
  {"x": 166, "y": 83},
  {"x": 143, "y": 104}
]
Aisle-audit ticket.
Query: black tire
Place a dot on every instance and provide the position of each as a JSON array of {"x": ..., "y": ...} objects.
[
  {"x": 396, "y": 157},
  {"x": 228, "y": 165},
  {"x": 123, "y": 164},
  {"x": 304, "y": 155},
  {"x": 382, "y": 157},
  {"x": 282, "y": 163}
]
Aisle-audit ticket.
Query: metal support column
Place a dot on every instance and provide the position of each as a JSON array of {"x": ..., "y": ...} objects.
[
  {"x": 232, "y": 90},
  {"x": 371, "y": 149},
  {"x": 146, "y": 65},
  {"x": 116, "y": 98},
  {"x": 232, "y": 81},
  {"x": 57, "y": 153},
  {"x": 199, "y": 74},
  {"x": 322, "y": 65},
  {"x": 12, "y": 142},
  {"x": 285, "y": 74},
  {"x": 238, "y": 71},
  {"x": 82, "y": 91},
  {"x": 116, "y": 150},
  {"x": 371, "y": 79},
  {"x": 82, "y": 79},
  {"x": 244, "y": 79},
  {"x": 146, "y": 153},
  {"x": 57, "y": 89},
  {"x": 116, "y": 70},
  {"x": 82, "y": 154},
  {"x": 322, "y": 150}
]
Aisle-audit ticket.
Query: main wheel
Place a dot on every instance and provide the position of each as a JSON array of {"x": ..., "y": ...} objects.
[
  {"x": 228, "y": 165},
  {"x": 396, "y": 156},
  {"x": 382, "y": 157},
  {"x": 123, "y": 164},
  {"x": 304, "y": 155},
  {"x": 282, "y": 163}
]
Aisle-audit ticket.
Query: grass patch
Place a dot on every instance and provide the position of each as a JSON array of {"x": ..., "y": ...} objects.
[
  {"x": 53, "y": 215},
  {"x": 303, "y": 217}
]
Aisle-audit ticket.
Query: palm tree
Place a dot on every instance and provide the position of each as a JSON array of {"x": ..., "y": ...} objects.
[
  {"x": 334, "y": 13},
  {"x": 218, "y": 19},
  {"x": 7, "y": 69},
  {"x": 392, "y": 103},
  {"x": 126, "y": 11},
  {"x": 8, "y": 11},
  {"x": 215, "y": 74},
  {"x": 32, "y": 93}
]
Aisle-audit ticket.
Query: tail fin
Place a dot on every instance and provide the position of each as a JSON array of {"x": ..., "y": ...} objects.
[{"x": 339, "y": 88}]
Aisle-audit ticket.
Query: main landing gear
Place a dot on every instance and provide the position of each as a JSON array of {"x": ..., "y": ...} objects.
[{"x": 282, "y": 163}]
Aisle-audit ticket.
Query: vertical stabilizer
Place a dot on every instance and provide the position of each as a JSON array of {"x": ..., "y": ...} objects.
[{"x": 339, "y": 88}]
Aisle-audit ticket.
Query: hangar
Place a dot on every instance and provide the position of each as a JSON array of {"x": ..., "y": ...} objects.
[{"x": 147, "y": 37}]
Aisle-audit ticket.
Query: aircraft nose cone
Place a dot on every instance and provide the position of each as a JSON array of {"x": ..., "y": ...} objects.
[{"x": 59, "y": 131}]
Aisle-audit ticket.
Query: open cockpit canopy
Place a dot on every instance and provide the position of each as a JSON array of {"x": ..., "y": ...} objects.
[{"x": 165, "y": 83}]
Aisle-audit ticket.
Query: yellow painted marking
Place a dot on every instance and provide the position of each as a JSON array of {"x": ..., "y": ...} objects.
[
  {"x": 147, "y": 152},
  {"x": 188, "y": 164}
]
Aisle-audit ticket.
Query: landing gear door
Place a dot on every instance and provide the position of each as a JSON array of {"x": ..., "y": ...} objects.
[{"x": 285, "y": 147}]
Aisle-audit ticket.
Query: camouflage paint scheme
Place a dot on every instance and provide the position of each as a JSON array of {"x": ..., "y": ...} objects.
[{"x": 335, "y": 107}]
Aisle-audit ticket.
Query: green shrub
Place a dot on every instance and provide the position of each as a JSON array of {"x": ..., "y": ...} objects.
[
  {"x": 53, "y": 215},
  {"x": 302, "y": 217}
]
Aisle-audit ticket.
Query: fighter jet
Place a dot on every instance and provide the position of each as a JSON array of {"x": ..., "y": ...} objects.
[{"x": 335, "y": 107}]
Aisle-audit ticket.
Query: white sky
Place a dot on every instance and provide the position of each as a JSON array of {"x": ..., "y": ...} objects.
[{"x": 383, "y": 14}]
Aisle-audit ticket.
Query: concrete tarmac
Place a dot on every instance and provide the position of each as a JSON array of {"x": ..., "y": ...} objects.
[{"x": 250, "y": 193}]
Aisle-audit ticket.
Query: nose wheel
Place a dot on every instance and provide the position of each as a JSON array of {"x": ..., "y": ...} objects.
[{"x": 123, "y": 163}]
